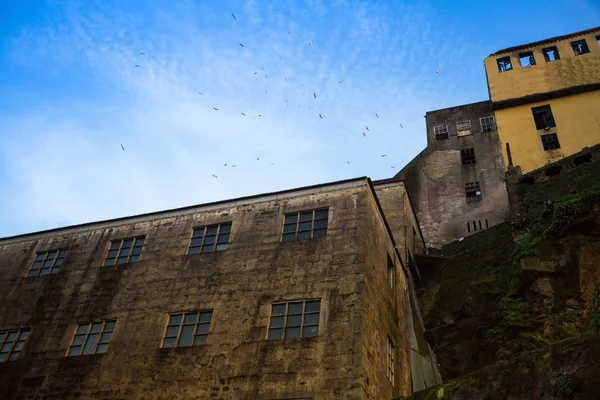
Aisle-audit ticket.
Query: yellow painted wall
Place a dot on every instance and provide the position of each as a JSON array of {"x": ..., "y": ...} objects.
[
  {"x": 544, "y": 76},
  {"x": 577, "y": 120}
]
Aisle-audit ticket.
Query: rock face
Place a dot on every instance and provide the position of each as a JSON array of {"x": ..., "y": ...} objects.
[{"x": 506, "y": 309}]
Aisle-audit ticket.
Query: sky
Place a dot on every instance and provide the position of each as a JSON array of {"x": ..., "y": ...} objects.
[{"x": 114, "y": 108}]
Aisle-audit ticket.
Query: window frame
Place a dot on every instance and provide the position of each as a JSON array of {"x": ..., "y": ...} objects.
[
  {"x": 134, "y": 244},
  {"x": 475, "y": 187},
  {"x": 585, "y": 49},
  {"x": 553, "y": 50},
  {"x": 440, "y": 132},
  {"x": 487, "y": 127},
  {"x": 540, "y": 117},
  {"x": 217, "y": 236},
  {"x": 88, "y": 332},
  {"x": 502, "y": 64},
  {"x": 463, "y": 128},
  {"x": 550, "y": 140},
  {"x": 197, "y": 324},
  {"x": 286, "y": 236},
  {"x": 529, "y": 56},
  {"x": 55, "y": 266},
  {"x": 4, "y": 335},
  {"x": 391, "y": 360},
  {"x": 467, "y": 156},
  {"x": 284, "y": 327}
]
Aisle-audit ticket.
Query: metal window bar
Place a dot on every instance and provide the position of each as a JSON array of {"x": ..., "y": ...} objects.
[
  {"x": 206, "y": 239},
  {"x": 467, "y": 156},
  {"x": 48, "y": 262},
  {"x": 292, "y": 320},
  {"x": 488, "y": 124},
  {"x": 92, "y": 338},
  {"x": 550, "y": 141},
  {"x": 124, "y": 251},
  {"x": 391, "y": 361},
  {"x": 12, "y": 343},
  {"x": 188, "y": 329},
  {"x": 305, "y": 225}
]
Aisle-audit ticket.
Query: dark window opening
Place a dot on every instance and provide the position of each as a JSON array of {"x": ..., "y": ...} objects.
[
  {"x": 488, "y": 124},
  {"x": 526, "y": 59},
  {"x": 124, "y": 251},
  {"x": 391, "y": 271},
  {"x": 598, "y": 40},
  {"x": 530, "y": 180},
  {"x": 504, "y": 64},
  {"x": 188, "y": 329},
  {"x": 206, "y": 239},
  {"x": 550, "y": 141},
  {"x": 586, "y": 158},
  {"x": 305, "y": 225},
  {"x": 543, "y": 117},
  {"x": 468, "y": 227},
  {"x": 553, "y": 171},
  {"x": 474, "y": 226},
  {"x": 467, "y": 156},
  {"x": 12, "y": 343},
  {"x": 580, "y": 47},
  {"x": 480, "y": 228},
  {"x": 473, "y": 192},
  {"x": 551, "y": 54},
  {"x": 486, "y": 224},
  {"x": 440, "y": 132},
  {"x": 294, "y": 320},
  {"x": 47, "y": 262}
]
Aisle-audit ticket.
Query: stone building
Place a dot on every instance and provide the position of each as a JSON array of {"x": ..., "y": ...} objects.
[
  {"x": 457, "y": 182},
  {"x": 545, "y": 96},
  {"x": 299, "y": 294}
]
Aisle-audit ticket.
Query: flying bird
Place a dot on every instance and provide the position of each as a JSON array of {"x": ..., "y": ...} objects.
[
  {"x": 310, "y": 43},
  {"x": 260, "y": 115},
  {"x": 348, "y": 162},
  {"x": 137, "y": 66},
  {"x": 377, "y": 115},
  {"x": 255, "y": 73},
  {"x": 243, "y": 114},
  {"x": 315, "y": 95},
  {"x": 258, "y": 159},
  {"x": 340, "y": 81},
  {"x": 364, "y": 134},
  {"x": 241, "y": 45},
  {"x": 233, "y": 165},
  {"x": 123, "y": 147},
  {"x": 320, "y": 116},
  {"x": 214, "y": 175},
  {"x": 234, "y": 17},
  {"x": 143, "y": 54},
  {"x": 200, "y": 92},
  {"x": 367, "y": 127},
  {"x": 392, "y": 166},
  {"x": 437, "y": 71},
  {"x": 383, "y": 155},
  {"x": 401, "y": 126},
  {"x": 224, "y": 165},
  {"x": 215, "y": 108}
]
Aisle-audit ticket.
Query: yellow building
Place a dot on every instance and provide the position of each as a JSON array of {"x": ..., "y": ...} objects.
[{"x": 546, "y": 98}]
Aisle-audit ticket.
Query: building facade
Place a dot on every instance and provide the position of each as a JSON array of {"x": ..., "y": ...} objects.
[
  {"x": 457, "y": 183},
  {"x": 546, "y": 98},
  {"x": 301, "y": 294}
]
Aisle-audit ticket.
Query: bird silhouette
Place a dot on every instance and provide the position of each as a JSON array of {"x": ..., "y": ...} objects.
[
  {"x": 234, "y": 17},
  {"x": 364, "y": 134},
  {"x": 401, "y": 126},
  {"x": 214, "y": 175},
  {"x": 310, "y": 43},
  {"x": 377, "y": 115},
  {"x": 315, "y": 95},
  {"x": 143, "y": 54},
  {"x": 437, "y": 72},
  {"x": 215, "y": 108},
  {"x": 123, "y": 147},
  {"x": 243, "y": 114},
  {"x": 383, "y": 155},
  {"x": 320, "y": 116},
  {"x": 241, "y": 45},
  {"x": 367, "y": 127},
  {"x": 137, "y": 66},
  {"x": 200, "y": 92}
]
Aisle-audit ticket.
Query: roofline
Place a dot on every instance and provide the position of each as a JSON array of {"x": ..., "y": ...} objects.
[
  {"x": 544, "y": 41},
  {"x": 179, "y": 210},
  {"x": 459, "y": 106}
]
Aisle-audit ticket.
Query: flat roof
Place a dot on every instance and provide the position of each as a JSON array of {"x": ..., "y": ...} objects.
[
  {"x": 185, "y": 210},
  {"x": 544, "y": 41},
  {"x": 477, "y": 103}
]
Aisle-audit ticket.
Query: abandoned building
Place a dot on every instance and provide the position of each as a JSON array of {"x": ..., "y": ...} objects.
[
  {"x": 457, "y": 182},
  {"x": 300, "y": 294},
  {"x": 545, "y": 97}
]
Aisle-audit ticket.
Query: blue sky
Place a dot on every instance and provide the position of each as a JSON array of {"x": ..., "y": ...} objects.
[{"x": 74, "y": 87}]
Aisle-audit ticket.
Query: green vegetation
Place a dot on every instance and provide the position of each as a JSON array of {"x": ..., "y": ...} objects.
[
  {"x": 563, "y": 386},
  {"x": 594, "y": 321}
]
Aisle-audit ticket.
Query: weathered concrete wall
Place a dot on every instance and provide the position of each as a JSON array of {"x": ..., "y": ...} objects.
[
  {"x": 436, "y": 178},
  {"x": 239, "y": 284}
]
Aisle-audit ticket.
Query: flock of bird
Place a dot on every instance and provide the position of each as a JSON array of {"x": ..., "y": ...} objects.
[{"x": 310, "y": 43}]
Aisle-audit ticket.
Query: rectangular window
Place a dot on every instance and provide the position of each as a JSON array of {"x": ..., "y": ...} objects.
[
  {"x": 543, "y": 117},
  {"x": 391, "y": 271},
  {"x": 47, "y": 262},
  {"x": 473, "y": 192},
  {"x": 488, "y": 124},
  {"x": 504, "y": 64},
  {"x": 391, "y": 360},
  {"x": 551, "y": 54},
  {"x": 12, "y": 343},
  {"x": 550, "y": 142},
  {"x": 474, "y": 226},
  {"x": 294, "y": 320},
  {"x": 92, "y": 338},
  {"x": 463, "y": 128},
  {"x": 580, "y": 47},
  {"x": 206, "y": 239},
  {"x": 598, "y": 40},
  {"x": 124, "y": 251},
  {"x": 305, "y": 225},
  {"x": 440, "y": 132},
  {"x": 527, "y": 59},
  {"x": 188, "y": 329},
  {"x": 467, "y": 156}
]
